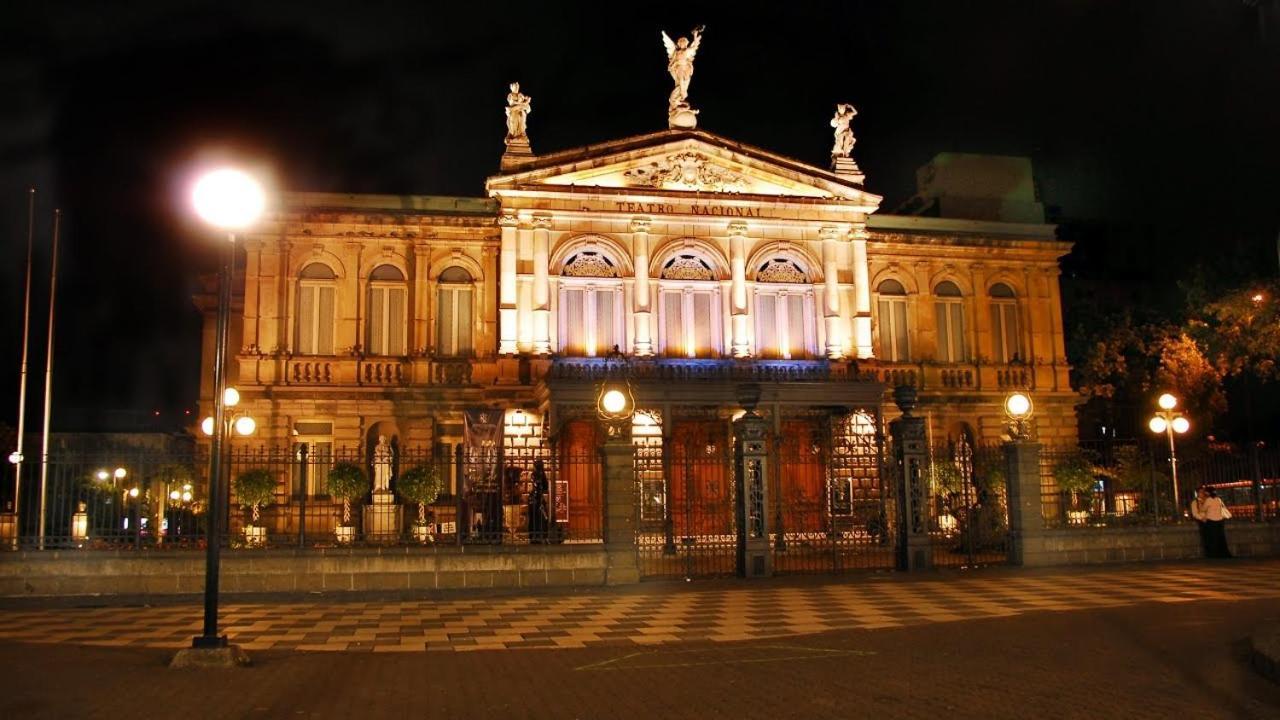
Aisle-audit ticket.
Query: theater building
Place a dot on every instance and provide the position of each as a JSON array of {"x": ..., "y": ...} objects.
[{"x": 709, "y": 264}]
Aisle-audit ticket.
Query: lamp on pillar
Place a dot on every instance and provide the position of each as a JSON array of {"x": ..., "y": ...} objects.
[
  {"x": 1018, "y": 408},
  {"x": 1169, "y": 421},
  {"x": 752, "y": 460},
  {"x": 615, "y": 402},
  {"x": 615, "y": 406}
]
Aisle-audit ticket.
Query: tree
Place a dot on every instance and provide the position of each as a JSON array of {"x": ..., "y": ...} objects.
[{"x": 1242, "y": 331}]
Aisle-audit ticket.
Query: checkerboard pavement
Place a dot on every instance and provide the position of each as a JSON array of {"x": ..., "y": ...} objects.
[{"x": 648, "y": 615}]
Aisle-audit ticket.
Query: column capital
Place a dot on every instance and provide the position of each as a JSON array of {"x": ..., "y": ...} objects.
[
  {"x": 640, "y": 224},
  {"x": 541, "y": 222},
  {"x": 859, "y": 231},
  {"x": 508, "y": 218},
  {"x": 830, "y": 232},
  {"x": 738, "y": 228}
]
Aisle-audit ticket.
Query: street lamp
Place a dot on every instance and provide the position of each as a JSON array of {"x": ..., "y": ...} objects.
[
  {"x": 228, "y": 200},
  {"x": 1169, "y": 421},
  {"x": 615, "y": 403},
  {"x": 1018, "y": 408}
]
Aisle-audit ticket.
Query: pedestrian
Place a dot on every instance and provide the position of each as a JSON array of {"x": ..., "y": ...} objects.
[{"x": 1209, "y": 510}]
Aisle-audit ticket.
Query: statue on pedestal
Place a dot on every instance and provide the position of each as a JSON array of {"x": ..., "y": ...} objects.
[
  {"x": 383, "y": 458},
  {"x": 518, "y": 109},
  {"x": 844, "y": 134},
  {"x": 680, "y": 55}
]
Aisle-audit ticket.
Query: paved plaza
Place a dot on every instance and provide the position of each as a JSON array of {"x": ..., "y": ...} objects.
[{"x": 1125, "y": 641}]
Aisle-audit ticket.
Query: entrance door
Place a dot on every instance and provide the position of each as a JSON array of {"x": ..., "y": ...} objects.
[{"x": 579, "y": 488}]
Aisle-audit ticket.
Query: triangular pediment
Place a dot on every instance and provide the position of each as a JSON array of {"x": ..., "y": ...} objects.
[{"x": 682, "y": 161}]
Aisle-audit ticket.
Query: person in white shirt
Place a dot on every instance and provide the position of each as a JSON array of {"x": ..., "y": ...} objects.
[{"x": 1212, "y": 514}]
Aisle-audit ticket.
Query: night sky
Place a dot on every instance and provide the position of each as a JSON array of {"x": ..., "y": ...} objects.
[{"x": 1154, "y": 129}]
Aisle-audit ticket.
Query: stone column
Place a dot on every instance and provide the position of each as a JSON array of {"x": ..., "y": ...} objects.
[
  {"x": 541, "y": 286},
  {"x": 831, "y": 290},
  {"x": 755, "y": 559},
  {"x": 620, "y": 510},
  {"x": 642, "y": 309},
  {"x": 507, "y": 290},
  {"x": 1026, "y": 521},
  {"x": 911, "y": 455},
  {"x": 738, "y": 288},
  {"x": 862, "y": 293}
]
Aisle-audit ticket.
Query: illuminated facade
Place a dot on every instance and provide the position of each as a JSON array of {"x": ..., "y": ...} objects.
[{"x": 707, "y": 262}]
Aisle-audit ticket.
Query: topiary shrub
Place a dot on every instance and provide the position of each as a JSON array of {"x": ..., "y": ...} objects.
[
  {"x": 420, "y": 484},
  {"x": 255, "y": 489},
  {"x": 347, "y": 481}
]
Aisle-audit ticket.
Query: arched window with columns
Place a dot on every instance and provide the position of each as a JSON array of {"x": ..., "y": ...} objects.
[
  {"x": 785, "y": 325},
  {"x": 891, "y": 307},
  {"x": 387, "y": 322},
  {"x": 317, "y": 289},
  {"x": 1006, "y": 338},
  {"x": 591, "y": 313},
  {"x": 455, "y": 297},
  {"x": 948, "y": 309},
  {"x": 690, "y": 322}
]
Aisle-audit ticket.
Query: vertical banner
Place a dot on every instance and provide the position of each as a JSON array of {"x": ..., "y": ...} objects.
[{"x": 482, "y": 436}]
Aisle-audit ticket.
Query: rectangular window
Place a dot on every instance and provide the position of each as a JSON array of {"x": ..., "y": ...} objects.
[
  {"x": 690, "y": 322},
  {"x": 313, "y": 456},
  {"x": 589, "y": 320},
  {"x": 453, "y": 321},
  {"x": 950, "y": 318},
  {"x": 767, "y": 326},
  {"x": 386, "y": 321},
  {"x": 603, "y": 330},
  {"x": 673, "y": 323},
  {"x": 1005, "y": 340},
  {"x": 893, "y": 329},
  {"x": 315, "y": 319},
  {"x": 784, "y": 328}
]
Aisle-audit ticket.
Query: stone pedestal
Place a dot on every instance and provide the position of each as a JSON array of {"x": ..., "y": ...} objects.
[
  {"x": 682, "y": 116},
  {"x": 755, "y": 558},
  {"x": 846, "y": 167},
  {"x": 1026, "y": 521},
  {"x": 620, "y": 511},
  {"x": 382, "y": 518},
  {"x": 518, "y": 153},
  {"x": 911, "y": 455}
]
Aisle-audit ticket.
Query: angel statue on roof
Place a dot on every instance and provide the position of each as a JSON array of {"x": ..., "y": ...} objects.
[{"x": 680, "y": 54}]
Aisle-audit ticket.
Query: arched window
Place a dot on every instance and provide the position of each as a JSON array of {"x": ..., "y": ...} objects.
[
  {"x": 385, "y": 328},
  {"x": 453, "y": 312},
  {"x": 892, "y": 307},
  {"x": 949, "y": 312},
  {"x": 590, "y": 320},
  {"x": 784, "y": 310},
  {"x": 1006, "y": 342},
  {"x": 316, "y": 290},
  {"x": 690, "y": 319}
]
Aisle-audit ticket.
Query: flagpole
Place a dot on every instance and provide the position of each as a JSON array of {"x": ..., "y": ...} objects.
[
  {"x": 48, "y": 378},
  {"x": 16, "y": 458}
]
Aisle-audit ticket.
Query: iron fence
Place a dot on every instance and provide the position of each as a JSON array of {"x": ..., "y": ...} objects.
[{"x": 968, "y": 504}]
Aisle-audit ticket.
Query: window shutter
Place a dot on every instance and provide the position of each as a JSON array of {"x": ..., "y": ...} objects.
[
  {"x": 702, "y": 325},
  {"x": 672, "y": 308},
  {"x": 306, "y": 320},
  {"x": 445, "y": 344},
  {"x": 767, "y": 342},
  {"x": 604, "y": 322},
  {"x": 324, "y": 332},
  {"x": 900, "y": 330},
  {"x": 795, "y": 325},
  {"x": 573, "y": 335},
  {"x": 462, "y": 301},
  {"x": 377, "y": 318},
  {"x": 395, "y": 321},
  {"x": 957, "y": 333}
]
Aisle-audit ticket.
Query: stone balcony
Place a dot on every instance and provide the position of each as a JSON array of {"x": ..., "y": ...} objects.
[
  {"x": 351, "y": 370},
  {"x": 968, "y": 377}
]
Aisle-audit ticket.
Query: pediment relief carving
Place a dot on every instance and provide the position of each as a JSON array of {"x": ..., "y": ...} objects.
[{"x": 686, "y": 171}]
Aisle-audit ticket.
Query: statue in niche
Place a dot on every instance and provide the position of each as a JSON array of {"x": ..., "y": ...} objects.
[
  {"x": 518, "y": 109},
  {"x": 680, "y": 55},
  {"x": 844, "y": 134},
  {"x": 383, "y": 459}
]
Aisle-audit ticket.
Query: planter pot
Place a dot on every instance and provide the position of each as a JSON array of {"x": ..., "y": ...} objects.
[
  {"x": 255, "y": 536},
  {"x": 345, "y": 534},
  {"x": 422, "y": 533}
]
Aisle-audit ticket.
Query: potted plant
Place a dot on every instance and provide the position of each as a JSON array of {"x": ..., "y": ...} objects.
[
  {"x": 420, "y": 484},
  {"x": 255, "y": 489},
  {"x": 1076, "y": 476},
  {"x": 347, "y": 481}
]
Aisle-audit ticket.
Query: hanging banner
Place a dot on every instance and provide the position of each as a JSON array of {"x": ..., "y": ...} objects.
[{"x": 482, "y": 436}]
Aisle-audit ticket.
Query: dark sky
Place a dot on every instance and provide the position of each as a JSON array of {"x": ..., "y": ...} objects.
[{"x": 1157, "y": 122}]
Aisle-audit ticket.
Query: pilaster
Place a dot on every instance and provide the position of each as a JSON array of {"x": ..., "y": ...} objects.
[
  {"x": 620, "y": 511},
  {"x": 738, "y": 289},
  {"x": 641, "y": 310},
  {"x": 541, "y": 285},
  {"x": 507, "y": 290},
  {"x": 862, "y": 292}
]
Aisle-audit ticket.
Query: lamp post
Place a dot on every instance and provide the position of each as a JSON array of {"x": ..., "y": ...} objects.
[
  {"x": 1019, "y": 408},
  {"x": 1168, "y": 421},
  {"x": 228, "y": 200}
]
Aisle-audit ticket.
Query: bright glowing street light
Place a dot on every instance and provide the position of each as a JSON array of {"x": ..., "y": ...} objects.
[
  {"x": 614, "y": 402},
  {"x": 1168, "y": 421},
  {"x": 1019, "y": 408},
  {"x": 228, "y": 199},
  {"x": 231, "y": 397},
  {"x": 120, "y": 473},
  {"x": 245, "y": 425}
]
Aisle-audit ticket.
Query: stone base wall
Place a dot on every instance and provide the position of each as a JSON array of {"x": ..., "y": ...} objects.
[
  {"x": 1169, "y": 542},
  {"x": 29, "y": 574}
]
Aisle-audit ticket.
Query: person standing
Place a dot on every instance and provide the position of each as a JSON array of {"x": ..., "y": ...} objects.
[{"x": 1212, "y": 514}]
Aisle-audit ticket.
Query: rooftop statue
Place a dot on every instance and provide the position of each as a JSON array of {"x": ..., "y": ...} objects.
[
  {"x": 680, "y": 55},
  {"x": 518, "y": 109},
  {"x": 844, "y": 134}
]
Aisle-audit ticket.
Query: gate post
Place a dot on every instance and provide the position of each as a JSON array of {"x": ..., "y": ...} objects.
[
  {"x": 1026, "y": 519},
  {"x": 911, "y": 453},
  {"x": 751, "y": 471},
  {"x": 618, "y": 457}
]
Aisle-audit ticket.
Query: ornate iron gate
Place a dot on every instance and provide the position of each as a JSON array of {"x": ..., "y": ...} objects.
[
  {"x": 969, "y": 513},
  {"x": 687, "y": 523}
]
